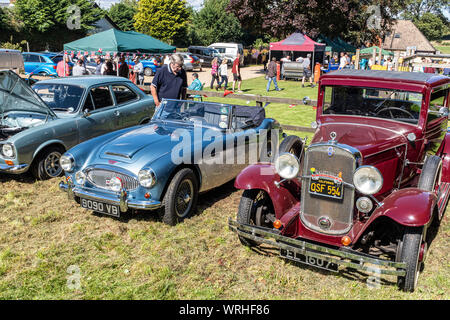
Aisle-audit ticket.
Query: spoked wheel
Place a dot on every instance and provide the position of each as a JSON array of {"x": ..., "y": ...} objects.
[
  {"x": 411, "y": 250},
  {"x": 255, "y": 209},
  {"x": 292, "y": 144},
  {"x": 181, "y": 197},
  {"x": 47, "y": 164}
]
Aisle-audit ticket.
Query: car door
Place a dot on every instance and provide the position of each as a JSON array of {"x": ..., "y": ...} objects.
[
  {"x": 33, "y": 63},
  {"x": 131, "y": 108},
  {"x": 98, "y": 115}
]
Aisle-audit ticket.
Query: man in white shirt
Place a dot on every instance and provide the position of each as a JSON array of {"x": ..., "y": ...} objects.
[
  {"x": 342, "y": 61},
  {"x": 307, "y": 73},
  {"x": 138, "y": 69}
]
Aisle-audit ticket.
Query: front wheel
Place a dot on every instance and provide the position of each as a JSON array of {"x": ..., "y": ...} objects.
[
  {"x": 409, "y": 251},
  {"x": 181, "y": 197},
  {"x": 255, "y": 208},
  {"x": 47, "y": 165}
]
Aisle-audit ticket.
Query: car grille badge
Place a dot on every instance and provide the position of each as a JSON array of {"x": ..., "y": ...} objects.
[{"x": 324, "y": 223}]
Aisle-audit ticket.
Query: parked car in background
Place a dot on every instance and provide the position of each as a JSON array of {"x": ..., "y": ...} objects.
[
  {"x": 205, "y": 54},
  {"x": 151, "y": 65},
  {"x": 43, "y": 64},
  {"x": 370, "y": 190},
  {"x": 37, "y": 125},
  {"x": 229, "y": 50},
  {"x": 191, "y": 62},
  {"x": 140, "y": 168},
  {"x": 11, "y": 59}
]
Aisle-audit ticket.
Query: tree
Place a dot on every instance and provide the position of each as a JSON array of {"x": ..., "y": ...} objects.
[
  {"x": 51, "y": 23},
  {"x": 162, "y": 19},
  {"x": 414, "y": 9},
  {"x": 123, "y": 13},
  {"x": 213, "y": 24},
  {"x": 279, "y": 18},
  {"x": 431, "y": 26}
]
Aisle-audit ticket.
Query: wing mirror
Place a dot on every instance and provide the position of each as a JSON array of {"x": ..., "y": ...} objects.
[
  {"x": 306, "y": 101},
  {"x": 443, "y": 112},
  {"x": 86, "y": 113}
]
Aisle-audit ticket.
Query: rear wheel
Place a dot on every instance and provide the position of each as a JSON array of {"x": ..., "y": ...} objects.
[
  {"x": 409, "y": 251},
  {"x": 255, "y": 209},
  {"x": 46, "y": 165}
]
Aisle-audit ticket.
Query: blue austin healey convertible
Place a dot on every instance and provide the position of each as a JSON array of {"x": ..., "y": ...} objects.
[{"x": 187, "y": 148}]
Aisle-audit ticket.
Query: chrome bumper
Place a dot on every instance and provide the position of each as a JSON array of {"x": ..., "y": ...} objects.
[
  {"x": 346, "y": 258},
  {"x": 120, "y": 199},
  {"x": 17, "y": 169}
]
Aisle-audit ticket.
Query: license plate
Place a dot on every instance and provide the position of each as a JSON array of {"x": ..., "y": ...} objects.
[
  {"x": 311, "y": 261},
  {"x": 326, "y": 188},
  {"x": 100, "y": 207}
]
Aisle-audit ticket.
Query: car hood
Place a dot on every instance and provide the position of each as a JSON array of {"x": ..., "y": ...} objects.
[
  {"x": 368, "y": 138},
  {"x": 17, "y": 95},
  {"x": 152, "y": 141}
]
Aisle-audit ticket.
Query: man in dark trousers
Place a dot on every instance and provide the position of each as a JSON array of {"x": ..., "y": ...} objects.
[
  {"x": 124, "y": 70},
  {"x": 170, "y": 81}
]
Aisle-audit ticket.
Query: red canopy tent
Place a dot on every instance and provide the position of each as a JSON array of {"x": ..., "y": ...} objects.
[{"x": 297, "y": 42}]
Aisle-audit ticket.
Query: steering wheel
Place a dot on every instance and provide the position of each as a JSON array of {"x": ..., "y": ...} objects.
[{"x": 390, "y": 109}]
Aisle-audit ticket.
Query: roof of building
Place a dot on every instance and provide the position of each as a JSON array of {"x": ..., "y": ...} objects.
[{"x": 405, "y": 34}]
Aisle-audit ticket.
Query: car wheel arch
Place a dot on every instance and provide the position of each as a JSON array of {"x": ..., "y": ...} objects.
[
  {"x": 176, "y": 169},
  {"x": 47, "y": 145}
]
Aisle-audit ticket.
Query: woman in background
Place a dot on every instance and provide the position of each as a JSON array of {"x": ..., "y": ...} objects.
[
  {"x": 223, "y": 72},
  {"x": 214, "y": 72}
]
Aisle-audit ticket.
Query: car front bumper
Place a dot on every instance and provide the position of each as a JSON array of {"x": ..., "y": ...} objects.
[
  {"x": 16, "y": 169},
  {"x": 342, "y": 257},
  {"x": 121, "y": 199}
]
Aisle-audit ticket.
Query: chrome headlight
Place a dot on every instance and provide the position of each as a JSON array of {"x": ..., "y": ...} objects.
[
  {"x": 287, "y": 166},
  {"x": 80, "y": 177},
  {"x": 147, "y": 178},
  {"x": 67, "y": 162},
  {"x": 8, "y": 150},
  {"x": 367, "y": 180},
  {"x": 115, "y": 184}
]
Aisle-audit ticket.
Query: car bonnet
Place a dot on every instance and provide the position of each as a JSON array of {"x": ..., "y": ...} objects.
[{"x": 17, "y": 95}]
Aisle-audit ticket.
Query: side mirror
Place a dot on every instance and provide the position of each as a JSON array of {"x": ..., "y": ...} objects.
[
  {"x": 306, "y": 101},
  {"x": 86, "y": 113},
  {"x": 443, "y": 112}
]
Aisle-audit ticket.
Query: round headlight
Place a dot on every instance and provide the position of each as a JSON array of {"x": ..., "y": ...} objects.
[
  {"x": 67, "y": 162},
  {"x": 147, "y": 178},
  {"x": 80, "y": 177},
  {"x": 287, "y": 166},
  {"x": 115, "y": 184},
  {"x": 368, "y": 180},
  {"x": 8, "y": 150}
]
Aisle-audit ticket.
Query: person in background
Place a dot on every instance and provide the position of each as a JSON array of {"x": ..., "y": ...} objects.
[
  {"x": 170, "y": 81},
  {"x": 389, "y": 64},
  {"x": 124, "y": 70},
  {"x": 272, "y": 74},
  {"x": 307, "y": 72},
  {"x": 214, "y": 72},
  {"x": 236, "y": 70},
  {"x": 283, "y": 61},
  {"x": 166, "y": 59},
  {"x": 223, "y": 72},
  {"x": 99, "y": 62},
  {"x": 79, "y": 69},
  {"x": 109, "y": 69},
  {"x": 342, "y": 61},
  {"x": 138, "y": 69},
  {"x": 62, "y": 68},
  {"x": 196, "y": 84}
]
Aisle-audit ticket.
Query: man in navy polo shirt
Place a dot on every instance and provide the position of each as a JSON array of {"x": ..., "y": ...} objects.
[{"x": 170, "y": 81}]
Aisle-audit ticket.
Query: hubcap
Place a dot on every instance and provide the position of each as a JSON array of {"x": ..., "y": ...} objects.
[{"x": 51, "y": 164}]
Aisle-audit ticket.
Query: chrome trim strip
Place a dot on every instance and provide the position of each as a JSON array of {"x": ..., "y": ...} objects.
[{"x": 17, "y": 169}]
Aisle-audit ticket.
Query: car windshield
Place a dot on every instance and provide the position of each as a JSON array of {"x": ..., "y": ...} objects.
[
  {"x": 383, "y": 103},
  {"x": 59, "y": 97},
  {"x": 208, "y": 114},
  {"x": 56, "y": 59}
]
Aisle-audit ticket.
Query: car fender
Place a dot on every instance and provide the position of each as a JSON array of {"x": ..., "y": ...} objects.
[
  {"x": 444, "y": 153},
  {"x": 409, "y": 207},
  {"x": 263, "y": 177},
  {"x": 48, "y": 143}
]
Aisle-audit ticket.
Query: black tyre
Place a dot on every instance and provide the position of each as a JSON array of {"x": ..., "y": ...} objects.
[
  {"x": 148, "y": 72},
  {"x": 431, "y": 173},
  {"x": 181, "y": 197},
  {"x": 255, "y": 208},
  {"x": 46, "y": 165},
  {"x": 408, "y": 251},
  {"x": 292, "y": 144}
]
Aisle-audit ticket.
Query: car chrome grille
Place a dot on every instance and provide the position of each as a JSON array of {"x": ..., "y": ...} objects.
[
  {"x": 100, "y": 178},
  {"x": 330, "y": 216}
]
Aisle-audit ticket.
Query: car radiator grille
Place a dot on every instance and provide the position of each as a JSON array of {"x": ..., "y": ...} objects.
[
  {"x": 338, "y": 213},
  {"x": 100, "y": 177}
]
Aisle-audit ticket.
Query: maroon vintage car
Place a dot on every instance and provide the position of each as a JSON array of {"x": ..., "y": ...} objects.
[{"x": 369, "y": 191}]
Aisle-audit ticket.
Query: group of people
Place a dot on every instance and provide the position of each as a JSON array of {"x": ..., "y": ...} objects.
[
  {"x": 271, "y": 72},
  {"x": 108, "y": 67},
  {"x": 219, "y": 73}
]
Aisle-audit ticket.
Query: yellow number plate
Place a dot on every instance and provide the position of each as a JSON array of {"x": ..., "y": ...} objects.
[{"x": 326, "y": 188}]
